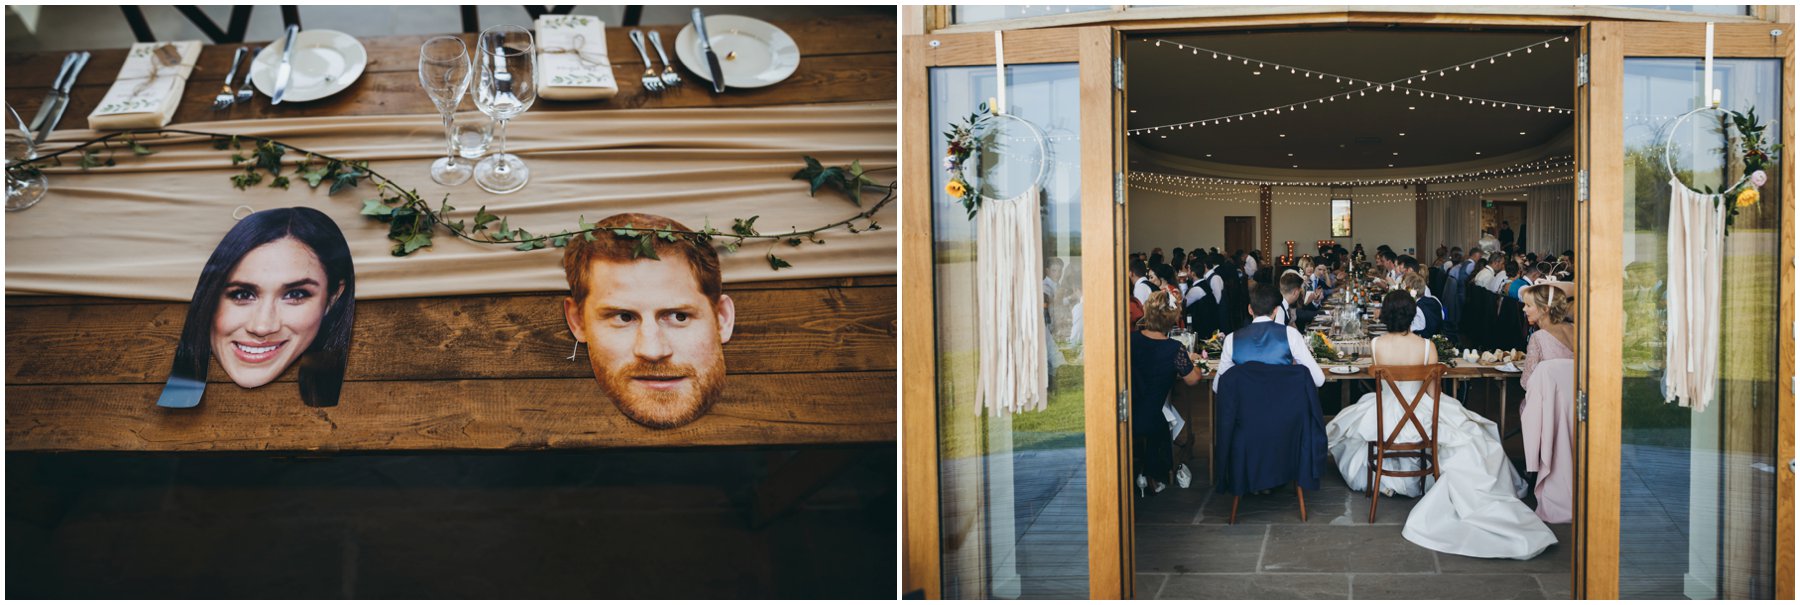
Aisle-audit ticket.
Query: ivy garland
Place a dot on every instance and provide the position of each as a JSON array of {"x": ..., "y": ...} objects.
[{"x": 412, "y": 222}]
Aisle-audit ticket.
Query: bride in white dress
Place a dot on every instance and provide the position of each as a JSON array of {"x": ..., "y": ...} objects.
[{"x": 1473, "y": 509}]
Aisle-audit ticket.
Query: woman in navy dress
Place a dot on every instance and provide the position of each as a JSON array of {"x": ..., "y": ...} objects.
[{"x": 1156, "y": 362}]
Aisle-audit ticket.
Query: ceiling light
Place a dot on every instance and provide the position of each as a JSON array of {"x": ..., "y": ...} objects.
[
  {"x": 1209, "y": 155},
  {"x": 1290, "y": 155},
  {"x": 1521, "y": 132},
  {"x": 1134, "y": 111},
  {"x": 1256, "y": 73},
  {"x": 1396, "y": 153},
  {"x": 1402, "y": 134},
  {"x": 1390, "y": 165},
  {"x": 1411, "y": 107},
  {"x": 1284, "y": 136},
  {"x": 1296, "y": 165},
  {"x": 1477, "y": 153},
  {"x": 1421, "y": 71},
  {"x": 1165, "y": 136}
]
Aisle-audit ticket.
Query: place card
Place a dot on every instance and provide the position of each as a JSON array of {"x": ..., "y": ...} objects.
[
  {"x": 572, "y": 59},
  {"x": 148, "y": 88}
]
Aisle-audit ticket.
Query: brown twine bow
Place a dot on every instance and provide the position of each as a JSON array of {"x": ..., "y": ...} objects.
[
  {"x": 581, "y": 53},
  {"x": 162, "y": 56}
]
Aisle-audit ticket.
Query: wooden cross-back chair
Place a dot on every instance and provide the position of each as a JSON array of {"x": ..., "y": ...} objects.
[{"x": 1388, "y": 444}]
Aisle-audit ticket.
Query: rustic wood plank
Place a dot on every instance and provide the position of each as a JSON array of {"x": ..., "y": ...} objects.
[
  {"x": 528, "y": 414},
  {"x": 1784, "y": 482},
  {"x": 513, "y": 336},
  {"x": 854, "y": 281},
  {"x": 1109, "y": 531},
  {"x": 1689, "y": 40},
  {"x": 834, "y": 79},
  {"x": 821, "y": 37}
]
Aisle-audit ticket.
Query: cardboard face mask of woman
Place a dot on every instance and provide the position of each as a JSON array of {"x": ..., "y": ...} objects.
[{"x": 279, "y": 289}]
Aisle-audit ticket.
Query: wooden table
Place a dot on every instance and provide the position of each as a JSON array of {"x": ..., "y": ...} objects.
[{"x": 812, "y": 362}]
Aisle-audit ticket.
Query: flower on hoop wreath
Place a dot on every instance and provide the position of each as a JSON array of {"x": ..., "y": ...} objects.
[
  {"x": 1756, "y": 154},
  {"x": 963, "y": 141}
]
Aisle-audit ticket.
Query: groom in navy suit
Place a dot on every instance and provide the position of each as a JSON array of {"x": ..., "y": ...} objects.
[{"x": 1266, "y": 340}]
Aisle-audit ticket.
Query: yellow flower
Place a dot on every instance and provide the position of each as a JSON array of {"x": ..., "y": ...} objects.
[
  {"x": 956, "y": 189},
  {"x": 1748, "y": 197}
]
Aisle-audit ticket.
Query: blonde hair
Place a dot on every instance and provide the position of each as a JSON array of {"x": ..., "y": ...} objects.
[
  {"x": 1414, "y": 282},
  {"x": 1161, "y": 311},
  {"x": 1555, "y": 304}
]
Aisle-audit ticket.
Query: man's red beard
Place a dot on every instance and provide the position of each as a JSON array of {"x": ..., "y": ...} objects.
[{"x": 663, "y": 409}]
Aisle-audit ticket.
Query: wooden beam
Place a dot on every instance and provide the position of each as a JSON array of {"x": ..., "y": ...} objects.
[
  {"x": 1035, "y": 46},
  {"x": 1602, "y": 270},
  {"x": 524, "y": 414},
  {"x": 1267, "y": 219},
  {"x": 921, "y": 548},
  {"x": 464, "y": 337},
  {"x": 1103, "y": 236},
  {"x": 1689, "y": 39},
  {"x": 1784, "y": 482}
]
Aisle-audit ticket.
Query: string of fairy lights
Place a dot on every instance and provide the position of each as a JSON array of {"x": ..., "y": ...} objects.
[
  {"x": 1550, "y": 163},
  {"x": 1299, "y": 198},
  {"x": 1159, "y": 180},
  {"x": 1401, "y": 85}
]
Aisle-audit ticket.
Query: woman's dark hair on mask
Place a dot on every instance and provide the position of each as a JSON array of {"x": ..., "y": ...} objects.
[{"x": 322, "y": 364}]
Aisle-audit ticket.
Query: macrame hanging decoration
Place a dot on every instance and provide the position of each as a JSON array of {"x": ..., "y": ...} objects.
[
  {"x": 1696, "y": 252},
  {"x": 1013, "y": 340}
]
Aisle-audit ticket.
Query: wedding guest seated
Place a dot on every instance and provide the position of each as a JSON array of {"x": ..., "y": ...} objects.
[
  {"x": 1528, "y": 274},
  {"x": 1428, "y": 319},
  {"x": 1547, "y": 418},
  {"x": 1267, "y": 341},
  {"x": 1270, "y": 431},
  {"x": 1472, "y": 507},
  {"x": 1293, "y": 311},
  {"x": 1157, "y": 361},
  {"x": 1204, "y": 297}
]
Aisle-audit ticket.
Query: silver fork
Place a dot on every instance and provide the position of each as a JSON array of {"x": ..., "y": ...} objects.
[
  {"x": 245, "y": 91},
  {"x": 652, "y": 82},
  {"x": 225, "y": 97},
  {"x": 669, "y": 77}
]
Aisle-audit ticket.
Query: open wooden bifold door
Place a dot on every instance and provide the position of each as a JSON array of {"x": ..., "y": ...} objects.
[
  {"x": 1678, "y": 502},
  {"x": 972, "y": 477}
]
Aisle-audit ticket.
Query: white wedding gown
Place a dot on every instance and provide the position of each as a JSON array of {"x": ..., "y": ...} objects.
[{"x": 1473, "y": 509}]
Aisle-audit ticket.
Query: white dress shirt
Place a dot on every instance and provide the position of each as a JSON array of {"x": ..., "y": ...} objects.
[
  {"x": 1483, "y": 277},
  {"x": 1250, "y": 265},
  {"x": 1498, "y": 283},
  {"x": 1213, "y": 282},
  {"x": 1296, "y": 347},
  {"x": 1142, "y": 291}
]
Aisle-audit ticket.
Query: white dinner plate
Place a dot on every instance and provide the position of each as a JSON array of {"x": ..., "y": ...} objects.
[
  {"x": 1343, "y": 370},
  {"x": 1508, "y": 367},
  {"x": 752, "y": 53},
  {"x": 325, "y": 62}
]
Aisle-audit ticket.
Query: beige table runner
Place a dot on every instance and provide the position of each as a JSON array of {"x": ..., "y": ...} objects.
[{"x": 144, "y": 228}]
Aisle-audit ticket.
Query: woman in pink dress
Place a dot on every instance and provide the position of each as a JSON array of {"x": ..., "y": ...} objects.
[{"x": 1547, "y": 417}]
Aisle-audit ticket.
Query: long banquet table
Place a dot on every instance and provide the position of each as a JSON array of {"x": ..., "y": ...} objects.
[{"x": 463, "y": 372}]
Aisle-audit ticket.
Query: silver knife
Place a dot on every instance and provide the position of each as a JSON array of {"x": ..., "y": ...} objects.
[
  {"x": 712, "y": 58},
  {"x": 43, "y": 113},
  {"x": 285, "y": 71},
  {"x": 62, "y": 103}
]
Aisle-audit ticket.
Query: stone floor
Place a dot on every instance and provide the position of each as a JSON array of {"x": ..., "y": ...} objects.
[{"x": 1185, "y": 550}]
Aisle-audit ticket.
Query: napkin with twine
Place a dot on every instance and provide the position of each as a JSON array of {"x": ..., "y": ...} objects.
[
  {"x": 148, "y": 88},
  {"x": 572, "y": 61}
]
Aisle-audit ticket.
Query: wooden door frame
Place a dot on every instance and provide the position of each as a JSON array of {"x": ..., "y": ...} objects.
[
  {"x": 1596, "y": 564},
  {"x": 1101, "y": 243},
  {"x": 1602, "y": 231}
]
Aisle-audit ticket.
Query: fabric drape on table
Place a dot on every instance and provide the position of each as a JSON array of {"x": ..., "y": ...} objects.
[
  {"x": 144, "y": 228},
  {"x": 1009, "y": 254},
  {"x": 1550, "y": 218},
  {"x": 1696, "y": 270}
]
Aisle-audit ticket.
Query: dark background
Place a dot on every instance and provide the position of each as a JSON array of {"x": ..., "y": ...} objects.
[{"x": 606, "y": 524}]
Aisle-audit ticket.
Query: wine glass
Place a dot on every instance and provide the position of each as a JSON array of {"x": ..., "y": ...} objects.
[
  {"x": 508, "y": 66},
  {"x": 26, "y": 186},
  {"x": 444, "y": 72}
]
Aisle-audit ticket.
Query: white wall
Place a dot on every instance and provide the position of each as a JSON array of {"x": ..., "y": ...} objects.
[{"x": 1166, "y": 221}]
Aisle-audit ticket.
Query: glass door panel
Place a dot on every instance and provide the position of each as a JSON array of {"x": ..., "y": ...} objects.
[
  {"x": 1012, "y": 487},
  {"x": 1697, "y": 488}
]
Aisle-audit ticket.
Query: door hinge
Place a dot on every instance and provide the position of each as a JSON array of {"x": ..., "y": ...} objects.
[
  {"x": 1581, "y": 405},
  {"x": 1119, "y": 188},
  {"x": 1581, "y": 70},
  {"x": 1118, "y": 73},
  {"x": 1124, "y": 405},
  {"x": 1581, "y": 185}
]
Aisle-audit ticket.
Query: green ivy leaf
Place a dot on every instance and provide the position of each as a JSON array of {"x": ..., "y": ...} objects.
[
  {"x": 419, "y": 240},
  {"x": 140, "y": 149},
  {"x": 560, "y": 240},
  {"x": 745, "y": 228},
  {"x": 279, "y": 182},
  {"x": 645, "y": 248},
  {"x": 346, "y": 179},
  {"x": 777, "y": 264},
  {"x": 376, "y": 207},
  {"x": 314, "y": 174},
  {"x": 504, "y": 233},
  {"x": 482, "y": 218},
  {"x": 268, "y": 157},
  {"x": 626, "y": 231}
]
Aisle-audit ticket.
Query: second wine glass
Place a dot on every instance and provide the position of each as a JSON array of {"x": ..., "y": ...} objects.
[
  {"x": 507, "y": 63},
  {"x": 444, "y": 73}
]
